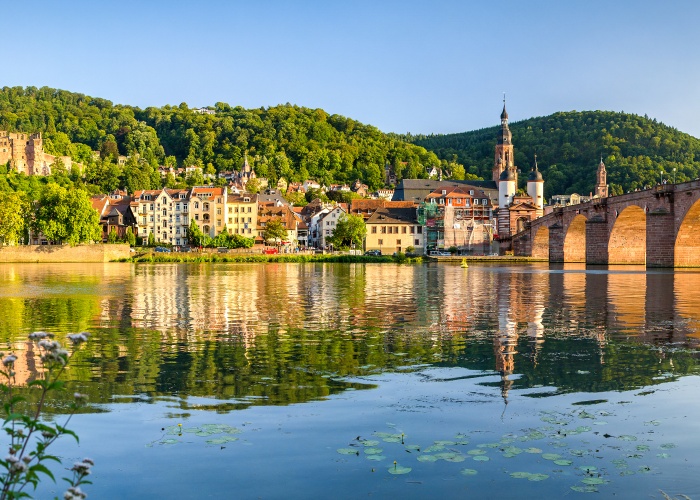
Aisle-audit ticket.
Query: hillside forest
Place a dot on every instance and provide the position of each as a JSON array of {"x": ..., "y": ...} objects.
[{"x": 298, "y": 143}]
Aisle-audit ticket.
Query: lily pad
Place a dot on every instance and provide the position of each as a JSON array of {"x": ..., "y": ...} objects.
[
  {"x": 412, "y": 447},
  {"x": 375, "y": 458},
  {"x": 222, "y": 440},
  {"x": 445, "y": 455},
  {"x": 563, "y": 462},
  {"x": 534, "y": 451},
  {"x": 663, "y": 455},
  {"x": 427, "y": 458},
  {"x": 578, "y": 453},
  {"x": 468, "y": 472},
  {"x": 551, "y": 456},
  {"x": 373, "y": 451},
  {"x": 170, "y": 441},
  {"x": 668, "y": 446},
  {"x": 585, "y": 489},
  {"x": 481, "y": 458},
  {"x": 627, "y": 437},
  {"x": 399, "y": 469},
  {"x": 445, "y": 443},
  {"x": 435, "y": 447},
  {"x": 348, "y": 451},
  {"x": 457, "y": 458},
  {"x": 594, "y": 480},
  {"x": 370, "y": 442},
  {"x": 537, "y": 477},
  {"x": 520, "y": 475}
]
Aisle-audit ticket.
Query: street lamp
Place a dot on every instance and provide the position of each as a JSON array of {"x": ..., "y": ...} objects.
[
  {"x": 674, "y": 175},
  {"x": 662, "y": 177}
]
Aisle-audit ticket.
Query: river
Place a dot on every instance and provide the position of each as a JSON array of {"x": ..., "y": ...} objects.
[{"x": 353, "y": 380}]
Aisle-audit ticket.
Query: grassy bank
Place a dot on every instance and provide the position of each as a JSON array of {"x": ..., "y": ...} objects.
[{"x": 216, "y": 257}]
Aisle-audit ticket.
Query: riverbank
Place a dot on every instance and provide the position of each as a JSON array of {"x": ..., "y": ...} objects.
[{"x": 64, "y": 253}]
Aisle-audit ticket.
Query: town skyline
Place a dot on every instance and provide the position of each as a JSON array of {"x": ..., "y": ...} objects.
[{"x": 402, "y": 67}]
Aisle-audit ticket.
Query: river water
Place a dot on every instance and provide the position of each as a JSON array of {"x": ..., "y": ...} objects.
[{"x": 354, "y": 380}]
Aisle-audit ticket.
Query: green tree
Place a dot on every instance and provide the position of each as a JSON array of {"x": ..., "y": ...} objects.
[
  {"x": 253, "y": 186},
  {"x": 274, "y": 231},
  {"x": 13, "y": 216},
  {"x": 67, "y": 216},
  {"x": 350, "y": 230},
  {"x": 130, "y": 236},
  {"x": 195, "y": 235},
  {"x": 113, "y": 236},
  {"x": 151, "y": 240}
]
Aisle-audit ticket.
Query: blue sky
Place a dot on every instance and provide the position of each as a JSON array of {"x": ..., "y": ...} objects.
[{"x": 403, "y": 66}]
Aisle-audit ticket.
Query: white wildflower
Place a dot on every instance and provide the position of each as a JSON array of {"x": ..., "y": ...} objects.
[
  {"x": 39, "y": 335},
  {"x": 9, "y": 359},
  {"x": 78, "y": 338}
]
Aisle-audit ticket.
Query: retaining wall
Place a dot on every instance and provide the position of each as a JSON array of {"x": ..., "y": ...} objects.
[{"x": 64, "y": 253}]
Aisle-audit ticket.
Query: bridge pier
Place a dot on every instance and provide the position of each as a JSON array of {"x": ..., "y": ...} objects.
[
  {"x": 556, "y": 242},
  {"x": 597, "y": 236},
  {"x": 661, "y": 238}
]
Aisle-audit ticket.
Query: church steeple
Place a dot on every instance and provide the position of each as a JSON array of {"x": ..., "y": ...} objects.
[
  {"x": 503, "y": 158},
  {"x": 601, "y": 184}
]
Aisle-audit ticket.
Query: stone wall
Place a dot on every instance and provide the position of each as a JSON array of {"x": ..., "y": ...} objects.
[{"x": 64, "y": 253}]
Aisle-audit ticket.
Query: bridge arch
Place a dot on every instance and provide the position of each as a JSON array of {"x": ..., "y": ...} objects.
[
  {"x": 540, "y": 243},
  {"x": 687, "y": 248},
  {"x": 575, "y": 240},
  {"x": 628, "y": 238}
]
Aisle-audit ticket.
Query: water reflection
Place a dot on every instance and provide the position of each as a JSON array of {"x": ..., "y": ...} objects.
[{"x": 285, "y": 333}]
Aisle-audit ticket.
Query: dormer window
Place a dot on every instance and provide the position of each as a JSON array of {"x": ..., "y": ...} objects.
[
  {"x": 471, "y": 192},
  {"x": 444, "y": 191}
]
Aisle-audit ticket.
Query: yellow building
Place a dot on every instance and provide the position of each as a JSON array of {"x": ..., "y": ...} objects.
[
  {"x": 242, "y": 215},
  {"x": 392, "y": 230}
]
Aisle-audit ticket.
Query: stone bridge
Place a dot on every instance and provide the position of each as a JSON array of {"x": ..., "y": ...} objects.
[{"x": 658, "y": 227}]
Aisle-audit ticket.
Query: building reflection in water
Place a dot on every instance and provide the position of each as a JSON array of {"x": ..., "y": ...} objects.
[{"x": 516, "y": 309}]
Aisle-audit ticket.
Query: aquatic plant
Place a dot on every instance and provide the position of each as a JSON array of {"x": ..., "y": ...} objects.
[{"x": 31, "y": 436}]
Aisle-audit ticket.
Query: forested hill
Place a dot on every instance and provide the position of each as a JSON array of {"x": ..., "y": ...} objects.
[
  {"x": 281, "y": 141},
  {"x": 299, "y": 143},
  {"x": 569, "y": 146}
]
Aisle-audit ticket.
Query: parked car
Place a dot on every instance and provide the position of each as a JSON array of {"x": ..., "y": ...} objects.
[
  {"x": 439, "y": 253},
  {"x": 271, "y": 251},
  {"x": 373, "y": 252},
  {"x": 162, "y": 249}
]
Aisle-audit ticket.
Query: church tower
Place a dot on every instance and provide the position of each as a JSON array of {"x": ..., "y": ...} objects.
[
  {"x": 503, "y": 158},
  {"x": 535, "y": 186},
  {"x": 601, "y": 184}
]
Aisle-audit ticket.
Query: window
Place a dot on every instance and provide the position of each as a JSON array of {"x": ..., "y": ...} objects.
[
  {"x": 249, "y": 209},
  {"x": 249, "y": 220},
  {"x": 218, "y": 211},
  {"x": 476, "y": 201},
  {"x": 374, "y": 229},
  {"x": 471, "y": 192},
  {"x": 151, "y": 218},
  {"x": 381, "y": 242},
  {"x": 416, "y": 242},
  {"x": 184, "y": 207},
  {"x": 230, "y": 220},
  {"x": 383, "y": 230},
  {"x": 419, "y": 229},
  {"x": 398, "y": 242},
  {"x": 196, "y": 216},
  {"x": 165, "y": 211},
  {"x": 236, "y": 210},
  {"x": 484, "y": 202},
  {"x": 403, "y": 230},
  {"x": 196, "y": 204},
  {"x": 205, "y": 206},
  {"x": 151, "y": 207},
  {"x": 410, "y": 229},
  {"x": 230, "y": 210},
  {"x": 177, "y": 218}
]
